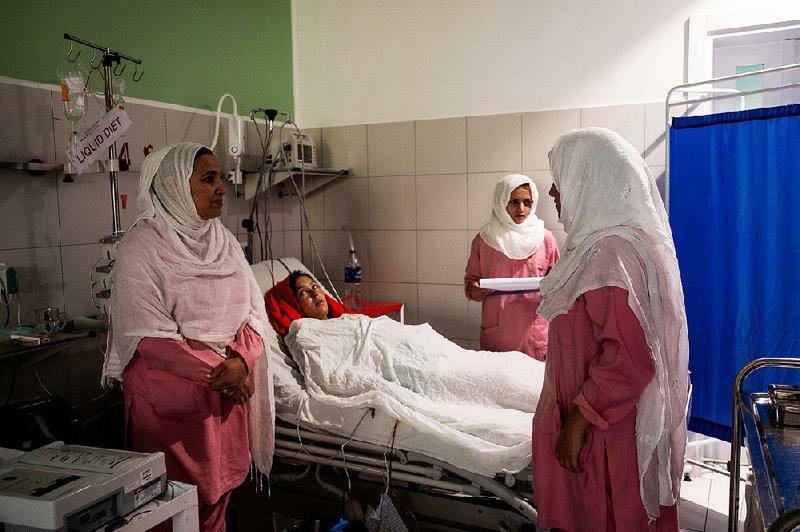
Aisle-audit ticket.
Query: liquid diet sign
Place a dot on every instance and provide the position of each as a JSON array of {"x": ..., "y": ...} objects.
[{"x": 96, "y": 141}]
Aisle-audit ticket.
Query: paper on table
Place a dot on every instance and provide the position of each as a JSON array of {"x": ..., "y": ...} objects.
[{"x": 511, "y": 284}]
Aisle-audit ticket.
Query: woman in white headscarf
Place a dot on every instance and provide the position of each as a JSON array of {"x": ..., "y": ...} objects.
[
  {"x": 187, "y": 333},
  {"x": 610, "y": 429},
  {"x": 513, "y": 243}
]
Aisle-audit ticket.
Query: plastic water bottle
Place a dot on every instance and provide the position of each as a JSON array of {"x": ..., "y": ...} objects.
[{"x": 352, "y": 278}]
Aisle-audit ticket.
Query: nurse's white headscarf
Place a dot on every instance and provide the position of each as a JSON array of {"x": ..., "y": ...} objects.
[
  {"x": 515, "y": 241},
  {"x": 607, "y": 191}
]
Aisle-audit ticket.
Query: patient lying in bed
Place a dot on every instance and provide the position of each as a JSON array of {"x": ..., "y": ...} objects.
[{"x": 478, "y": 402}]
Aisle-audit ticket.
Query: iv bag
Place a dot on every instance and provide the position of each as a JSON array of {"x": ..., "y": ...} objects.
[{"x": 73, "y": 90}]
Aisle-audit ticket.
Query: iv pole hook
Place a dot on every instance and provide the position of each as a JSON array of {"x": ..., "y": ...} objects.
[
  {"x": 70, "y": 58},
  {"x": 135, "y": 71},
  {"x": 121, "y": 70}
]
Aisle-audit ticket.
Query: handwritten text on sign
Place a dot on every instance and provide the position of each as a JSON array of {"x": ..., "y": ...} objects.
[{"x": 95, "y": 142}]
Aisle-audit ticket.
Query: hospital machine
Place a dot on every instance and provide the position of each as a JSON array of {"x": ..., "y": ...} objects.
[
  {"x": 334, "y": 453},
  {"x": 76, "y": 488}
]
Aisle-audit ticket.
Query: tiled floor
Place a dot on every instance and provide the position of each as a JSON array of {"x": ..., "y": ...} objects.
[
  {"x": 703, "y": 506},
  {"x": 704, "y": 502}
]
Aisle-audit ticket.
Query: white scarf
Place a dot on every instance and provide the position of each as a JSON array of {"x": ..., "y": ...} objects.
[
  {"x": 515, "y": 241},
  {"x": 607, "y": 190},
  {"x": 178, "y": 276}
]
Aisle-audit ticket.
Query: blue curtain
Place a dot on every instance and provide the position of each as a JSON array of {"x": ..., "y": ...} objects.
[{"x": 735, "y": 216}]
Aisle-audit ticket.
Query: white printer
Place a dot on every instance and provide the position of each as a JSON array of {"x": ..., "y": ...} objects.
[{"x": 75, "y": 488}]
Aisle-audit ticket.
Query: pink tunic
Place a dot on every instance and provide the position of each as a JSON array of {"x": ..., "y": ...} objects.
[
  {"x": 598, "y": 361},
  {"x": 508, "y": 320},
  {"x": 170, "y": 407}
]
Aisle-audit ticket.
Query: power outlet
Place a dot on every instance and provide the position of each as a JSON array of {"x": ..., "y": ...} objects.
[{"x": 8, "y": 279}]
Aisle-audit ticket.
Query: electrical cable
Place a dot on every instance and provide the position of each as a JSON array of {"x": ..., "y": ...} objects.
[{"x": 219, "y": 110}]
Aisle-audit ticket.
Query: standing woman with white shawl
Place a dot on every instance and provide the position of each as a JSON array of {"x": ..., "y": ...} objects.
[
  {"x": 513, "y": 243},
  {"x": 187, "y": 333},
  {"x": 609, "y": 432}
]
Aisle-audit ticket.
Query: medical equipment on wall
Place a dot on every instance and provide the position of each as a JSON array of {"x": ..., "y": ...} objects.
[
  {"x": 236, "y": 140},
  {"x": 300, "y": 151},
  {"x": 70, "y": 487}
]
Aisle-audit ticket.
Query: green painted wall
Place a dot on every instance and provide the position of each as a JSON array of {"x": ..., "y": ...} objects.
[{"x": 192, "y": 52}]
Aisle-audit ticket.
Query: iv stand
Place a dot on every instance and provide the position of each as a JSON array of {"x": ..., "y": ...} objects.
[{"x": 109, "y": 58}]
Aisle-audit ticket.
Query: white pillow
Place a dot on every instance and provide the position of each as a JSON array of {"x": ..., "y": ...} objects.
[{"x": 270, "y": 272}]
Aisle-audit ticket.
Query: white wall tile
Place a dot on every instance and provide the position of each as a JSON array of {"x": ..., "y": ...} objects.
[
  {"x": 346, "y": 147},
  {"x": 39, "y": 280},
  {"x": 444, "y": 307},
  {"x": 442, "y": 201},
  {"x": 393, "y": 256},
  {"x": 494, "y": 143},
  {"x": 311, "y": 256},
  {"x": 540, "y": 131},
  {"x": 78, "y": 262},
  {"x": 441, "y": 146},
  {"x": 337, "y": 253},
  {"x": 442, "y": 256},
  {"x": 28, "y": 210},
  {"x": 390, "y": 148},
  {"x": 546, "y": 208},
  {"x": 27, "y": 133},
  {"x": 187, "y": 126},
  {"x": 293, "y": 214},
  {"x": 655, "y": 140},
  {"x": 80, "y": 225},
  {"x": 659, "y": 175},
  {"x": 627, "y": 120},
  {"x": 148, "y": 131},
  {"x": 273, "y": 245},
  {"x": 291, "y": 244},
  {"x": 480, "y": 197},
  {"x": 392, "y": 203},
  {"x": 347, "y": 203},
  {"x": 405, "y": 292}
]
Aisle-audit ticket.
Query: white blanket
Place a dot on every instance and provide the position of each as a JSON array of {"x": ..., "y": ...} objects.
[{"x": 472, "y": 409}]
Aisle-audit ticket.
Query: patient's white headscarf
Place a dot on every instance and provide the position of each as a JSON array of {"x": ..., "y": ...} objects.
[
  {"x": 178, "y": 276},
  {"x": 607, "y": 190},
  {"x": 515, "y": 241}
]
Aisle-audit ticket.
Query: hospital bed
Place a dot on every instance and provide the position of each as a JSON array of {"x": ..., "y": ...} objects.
[{"x": 340, "y": 451}]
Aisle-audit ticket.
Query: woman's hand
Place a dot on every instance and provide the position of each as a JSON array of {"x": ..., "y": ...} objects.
[
  {"x": 571, "y": 440},
  {"x": 475, "y": 292},
  {"x": 231, "y": 380}
]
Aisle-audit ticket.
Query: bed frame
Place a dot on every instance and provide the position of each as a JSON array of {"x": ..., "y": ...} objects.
[{"x": 440, "y": 496}]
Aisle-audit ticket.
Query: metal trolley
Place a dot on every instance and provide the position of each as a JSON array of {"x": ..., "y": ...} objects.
[{"x": 774, "y": 454}]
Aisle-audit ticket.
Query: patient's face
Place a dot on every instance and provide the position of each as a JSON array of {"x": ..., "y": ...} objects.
[{"x": 311, "y": 298}]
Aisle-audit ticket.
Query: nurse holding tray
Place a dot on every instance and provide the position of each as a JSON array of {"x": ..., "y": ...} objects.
[{"x": 509, "y": 255}]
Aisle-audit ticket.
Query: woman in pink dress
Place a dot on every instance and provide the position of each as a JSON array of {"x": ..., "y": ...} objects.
[
  {"x": 187, "y": 333},
  {"x": 513, "y": 243},
  {"x": 609, "y": 432}
]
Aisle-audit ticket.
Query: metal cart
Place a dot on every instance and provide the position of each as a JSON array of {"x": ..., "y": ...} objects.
[{"x": 774, "y": 454}]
